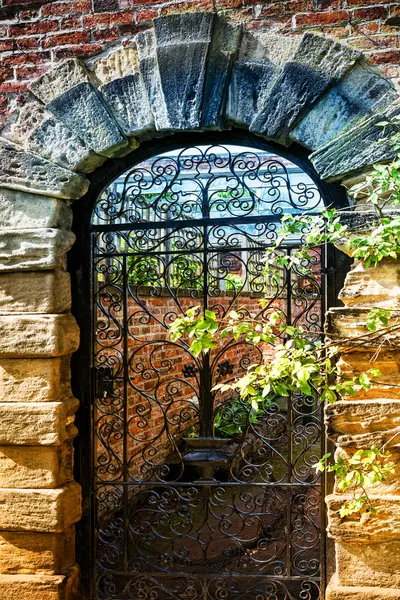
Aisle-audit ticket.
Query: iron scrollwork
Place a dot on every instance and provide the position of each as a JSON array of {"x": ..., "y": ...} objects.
[{"x": 181, "y": 230}]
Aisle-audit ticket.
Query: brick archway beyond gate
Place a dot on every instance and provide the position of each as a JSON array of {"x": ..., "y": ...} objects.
[{"x": 189, "y": 72}]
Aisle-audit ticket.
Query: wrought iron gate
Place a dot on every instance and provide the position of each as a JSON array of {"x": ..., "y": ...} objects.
[{"x": 195, "y": 497}]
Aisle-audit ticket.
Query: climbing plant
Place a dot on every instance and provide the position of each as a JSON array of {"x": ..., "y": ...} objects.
[{"x": 302, "y": 361}]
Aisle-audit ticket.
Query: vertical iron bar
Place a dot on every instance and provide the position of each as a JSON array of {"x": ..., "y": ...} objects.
[
  {"x": 323, "y": 523},
  {"x": 93, "y": 285},
  {"x": 206, "y": 396},
  {"x": 289, "y": 429},
  {"x": 125, "y": 410}
]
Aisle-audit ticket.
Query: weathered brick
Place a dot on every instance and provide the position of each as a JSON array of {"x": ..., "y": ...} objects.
[
  {"x": 106, "y": 35},
  {"x": 146, "y": 14},
  {"x": 6, "y": 73},
  {"x": 103, "y": 5},
  {"x": 18, "y": 2},
  {"x": 180, "y": 7},
  {"x": 278, "y": 24},
  {"x": 25, "y": 58},
  {"x": 367, "y": 28},
  {"x": 365, "y": 2},
  {"x": 328, "y": 4},
  {"x": 369, "y": 14},
  {"x": 325, "y": 18},
  {"x": 122, "y": 18},
  {"x": 66, "y": 8},
  {"x": 97, "y": 20},
  {"x": 71, "y": 23},
  {"x": 371, "y": 43},
  {"x": 229, "y": 3},
  {"x": 27, "y": 15},
  {"x": 13, "y": 87},
  {"x": 33, "y": 28},
  {"x": 6, "y": 45},
  {"x": 27, "y": 43},
  {"x": 78, "y": 51},
  {"x": 388, "y": 56},
  {"x": 60, "y": 39},
  {"x": 31, "y": 71},
  {"x": 286, "y": 8}
]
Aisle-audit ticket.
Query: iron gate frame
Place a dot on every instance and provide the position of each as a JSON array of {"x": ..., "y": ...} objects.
[{"x": 79, "y": 265}]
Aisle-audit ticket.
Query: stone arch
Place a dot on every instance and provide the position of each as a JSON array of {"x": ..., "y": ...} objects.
[{"x": 190, "y": 72}]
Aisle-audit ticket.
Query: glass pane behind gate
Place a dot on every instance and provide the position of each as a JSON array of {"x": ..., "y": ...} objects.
[{"x": 185, "y": 230}]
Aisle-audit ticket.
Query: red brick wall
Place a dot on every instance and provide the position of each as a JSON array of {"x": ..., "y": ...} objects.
[{"x": 34, "y": 35}]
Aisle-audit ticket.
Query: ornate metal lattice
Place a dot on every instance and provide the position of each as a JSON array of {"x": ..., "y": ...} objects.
[{"x": 237, "y": 511}]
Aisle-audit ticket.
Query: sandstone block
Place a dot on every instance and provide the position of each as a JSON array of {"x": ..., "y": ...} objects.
[
  {"x": 317, "y": 63},
  {"x": 376, "y": 286},
  {"x": 40, "y": 510},
  {"x": 33, "y": 249},
  {"x": 36, "y": 130},
  {"x": 68, "y": 94},
  {"x": 21, "y": 170},
  {"x": 37, "y": 553},
  {"x": 221, "y": 54},
  {"x": 349, "y": 324},
  {"x": 375, "y": 564},
  {"x": 37, "y": 423},
  {"x": 33, "y": 467},
  {"x": 252, "y": 77},
  {"x": 360, "y": 93},
  {"x": 363, "y": 145},
  {"x": 355, "y": 362},
  {"x": 119, "y": 63},
  {"x": 40, "y": 587},
  {"x": 391, "y": 485},
  {"x": 35, "y": 292},
  {"x": 384, "y": 526},
  {"x": 40, "y": 336},
  {"x": 34, "y": 380},
  {"x": 352, "y": 422},
  {"x": 19, "y": 210},
  {"x": 339, "y": 592},
  {"x": 65, "y": 76}
]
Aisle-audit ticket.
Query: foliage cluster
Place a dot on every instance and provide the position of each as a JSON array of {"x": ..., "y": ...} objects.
[{"x": 304, "y": 362}]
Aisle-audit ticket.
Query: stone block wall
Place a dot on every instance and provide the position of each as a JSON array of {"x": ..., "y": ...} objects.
[
  {"x": 34, "y": 35},
  {"x": 39, "y": 501},
  {"x": 367, "y": 559}
]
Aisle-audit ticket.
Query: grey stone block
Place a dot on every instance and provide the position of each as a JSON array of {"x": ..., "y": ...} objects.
[
  {"x": 360, "y": 93},
  {"x": 67, "y": 92},
  {"x": 37, "y": 131},
  {"x": 252, "y": 77},
  {"x": 147, "y": 51},
  {"x": 20, "y": 170},
  {"x": 82, "y": 110},
  {"x": 361, "y": 146},
  {"x": 130, "y": 106},
  {"x": 221, "y": 54},
  {"x": 19, "y": 210},
  {"x": 173, "y": 63},
  {"x": 318, "y": 62}
]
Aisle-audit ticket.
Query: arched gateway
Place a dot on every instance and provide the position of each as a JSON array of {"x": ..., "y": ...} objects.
[
  {"x": 192, "y": 496},
  {"x": 167, "y": 225}
]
